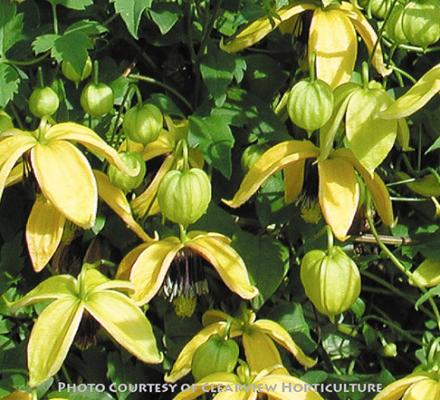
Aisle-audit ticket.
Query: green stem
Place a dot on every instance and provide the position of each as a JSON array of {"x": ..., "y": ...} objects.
[
  {"x": 55, "y": 18},
  {"x": 312, "y": 71},
  {"x": 365, "y": 75},
  {"x": 119, "y": 114},
  {"x": 28, "y": 63},
  {"x": 153, "y": 81},
  {"x": 182, "y": 232},
  {"x": 95, "y": 72},
  {"x": 330, "y": 239},
  {"x": 40, "y": 78},
  {"x": 396, "y": 261}
]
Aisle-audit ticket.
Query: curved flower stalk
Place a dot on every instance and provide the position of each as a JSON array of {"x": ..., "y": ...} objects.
[
  {"x": 338, "y": 187},
  {"x": 54, "y": 331},
  {"x": 332, "y": 38},
  {"x": 148, "y": 264},
  {"x": 45, "y": 226},
  {"x": 245, "y": 385},
  {"x": 258, "y": 338},
  {"x": 169, "y": 143},
  {"x": 416, "y": 97},
  {"x": 62, "y": 171}
]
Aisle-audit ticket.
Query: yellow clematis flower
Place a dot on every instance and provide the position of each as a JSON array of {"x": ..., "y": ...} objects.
[
  {"x": 338, "y": 187},
  {"x": 245, "y": 385},
  {"x": 257, "y": 337},
  {"x": 416, "y": 97},
  {"x": 18, "y": 395},
  {"x": 45, "y": 226},
  {"x": 93, "y": 293},
  {"x": 332, "y": 38},
  {"x": 417, "y": 386},
  {"x": 62, "y": 171}
]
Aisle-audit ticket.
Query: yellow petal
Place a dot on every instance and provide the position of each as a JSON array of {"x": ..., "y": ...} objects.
[
  {"x": 270, "y": 162},
  {"x": 126, "y": 323},
  {"x": 209, "y": 384},
  {"x": 427, "y": 389},
  {"x": 182, "y": 365},
  {"x": 162, "y": 145},
  {"x": 403, "y": 134},
  {"x": 227, "y": 262},
  {"x": 55, "y": 287},
  {"x": 66, "y": 179},
  {"x": 143, "y": 203},
  {"x": 281, "y": 336},
  {"x": 258, "y": 29},
  {"x": 16, "y": 175},
  {"x": 338, "y": 194},
  {"x": 218, "y": 236},
  {"x": 44, "y": 230},
  {"x": 395, "y": 390},
  {"x": 127, "y": 262},
  {"x": 427, "y": 186},
  {"x": 151, "y": 267},
  {"x": 427, "y": 273},
  {"x": 377, "y": 188},
  {"x": 283, "y": 387},
  {"x": 11, "y": 143},
  {"x": 261, "y": 353},
  {"x": 116, "y": 200},
  {"x": 293, "y": 180},
  {"x": 333, "y": 40},
  {"x": 212, "y": 316},
  {"x": 368, "y": 35},
  {"x": 18, "y": 396},
  {"x": 416, "y": 97},
  {"x": 51, "y": 338},
  {"x": 81, "y": 134},
  {"x": 14, "y": 148}
]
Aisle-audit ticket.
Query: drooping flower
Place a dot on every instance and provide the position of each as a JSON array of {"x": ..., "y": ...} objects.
[
  {"x": 258, "y": 337},
  {"x": 332, "y": 38},
  {"x": 93, "y": 293},
  {"x": 338, "y": 192}
]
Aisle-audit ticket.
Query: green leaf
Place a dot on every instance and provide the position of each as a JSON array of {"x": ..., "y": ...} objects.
[
  {"x": 72, "y": 47},
  {"x": 11, "y": 26},
  {"x": 214, "y": 139},
  {"x": 73, "y": 4},
  {"x": 434, "y": 146},
  {"x": 131, "y": 12},
  {"x": 9, "y": 79},
  {"x": 44, "y": 43},
  {"x": 88, "y": 27},
  {"x": 435, "y": 291},
  {"x": 165, "y": 16}
]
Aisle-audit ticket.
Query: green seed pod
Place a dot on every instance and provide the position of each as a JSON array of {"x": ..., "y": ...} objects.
[
  {"x": 97, "y": 100},
  {"x": 122, "y": 180},
  {"x": 5, "y": 121},
  {"x": 143, "y": 123},
  {"x": 310, "y": 104},
  {"x": 43, "y": 102},
  {"x": 184, "y": 196},
  {"x": 394, "y": 28},
  {"x": 250, "y": 155},
  {"x": 331, "y": 281},
  {"x": 215, "y": 355},
  {"x": 72, "y": 75},
  {"x": 421, "y": 22}
]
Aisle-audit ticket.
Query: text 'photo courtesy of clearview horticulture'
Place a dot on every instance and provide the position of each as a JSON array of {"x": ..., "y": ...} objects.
[{"x": 220, "y": 199}]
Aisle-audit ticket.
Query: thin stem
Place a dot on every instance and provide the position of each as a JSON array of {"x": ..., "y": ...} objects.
[
  {"x": 28, "y": 63},
  {"x": 161, "y": 84},
  {"x": 95, "y": 72},
  {"x": 55, "y": 18},
  {"x": 312, "y": 71},
  {"x": 182, "y": 231},
  {"x": 40, "y": 79},
  {"x": 329, "y": 239}
]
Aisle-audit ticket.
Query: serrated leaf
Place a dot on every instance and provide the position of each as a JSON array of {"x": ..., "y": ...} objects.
[
  {"x": 131, "y": 12},
  {"x": 72, "y": 47},
  {"x": 10, "y": 80},
  {"x": 11, "y": 26},
  {"x": 73, "y": 4},
  {"x": 213, "y": 137},
  {"x": 165, "y": 16},
  {"x": 44, "y": 43}
]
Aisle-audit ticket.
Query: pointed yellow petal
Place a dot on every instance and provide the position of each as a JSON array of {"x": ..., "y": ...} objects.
[
  {"x": 66, "y": 179},
  {"x": 182, "y": 365},
  {"x": 51, "y": 338},
  {"x": 261, "y": 353},
  {"x": 270, "y": 162},
  {"x": 216, "y": 235},
  {"x": 81, "y": 134},
  {"x": 164, "y": 144},
  {"x": 416, "y": 97},
  {"x": 333, "y": 40},
  {"x": 368, "y": 35},
  {"x": 209, "y": 384},
  {"x": 212, "y": 316},
  {"x": 143, "y": 203},
  {"x": 293, "y": 180},
  {"x": 18, "y": 396},
  {"x": 403, "y": 134},
  {"x": 427, "y": 273},
  {"x": 151, "y": 267},
  {"x": 116, "y": 200},
  {"x": 11, "y": 143},
  {"x": 55, "y": 287},
  {"x": 338, "y": 194},
  {"x": 236, "y": 394},
  {"x": 395, "y": 390},
  {"x": 258, "y": 29},
  {"x": 283, "y": 387},
  {"x": 14, "y": 148},
  {"x": 375, "y": 185},
  {"x": 281, "y": 336},
  {"x": 16, "y": 175},
  {"x": 227, "y": 262},
  {"x": 44, "y": 230},
  {"x": 427, "y": 389},
  {"x": 127, "y": 262},
  {"x": 126, "y": 323}
]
